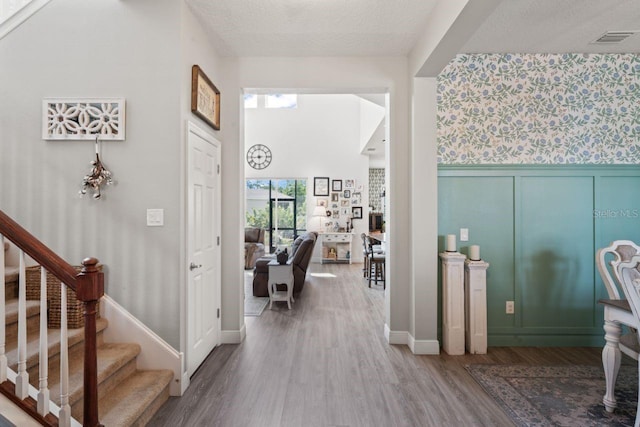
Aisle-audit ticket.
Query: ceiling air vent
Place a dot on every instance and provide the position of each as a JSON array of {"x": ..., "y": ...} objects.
[{"x": 614, "y": 37}]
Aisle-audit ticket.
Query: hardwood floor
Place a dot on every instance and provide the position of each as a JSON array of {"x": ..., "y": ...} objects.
[{"x": 326, "y": 363}]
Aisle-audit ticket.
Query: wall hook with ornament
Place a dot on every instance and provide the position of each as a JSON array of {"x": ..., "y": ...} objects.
[{"x": 98, "y": 176}]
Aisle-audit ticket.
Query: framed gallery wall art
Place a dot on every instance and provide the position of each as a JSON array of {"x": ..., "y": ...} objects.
[
  {"x": 320, "y": 186},
  {"x": 356, "y": 212},
  {"x": 336, "y": 185},
  {"x": 205, "y": 98}
]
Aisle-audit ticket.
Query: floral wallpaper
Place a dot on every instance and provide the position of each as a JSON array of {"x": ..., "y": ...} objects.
[
  {"x": 376, "y": 187},
  {"x": 543, "y": 108}
]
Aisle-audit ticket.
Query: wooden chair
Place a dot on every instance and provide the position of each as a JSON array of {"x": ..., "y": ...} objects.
[
  {"x": 617, "y": 312},
  {"x": 629, "y": 274}
]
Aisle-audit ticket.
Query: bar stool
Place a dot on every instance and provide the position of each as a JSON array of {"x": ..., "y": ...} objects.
[
  {"x": 377, "y": 262},
  {"x": 365, "y": 251}
]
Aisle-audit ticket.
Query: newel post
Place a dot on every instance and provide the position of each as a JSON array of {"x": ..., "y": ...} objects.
[{"x": 90, "y": 289}]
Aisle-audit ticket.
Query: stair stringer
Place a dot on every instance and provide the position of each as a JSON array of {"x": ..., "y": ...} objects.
[{"x": 155, "y": 352}]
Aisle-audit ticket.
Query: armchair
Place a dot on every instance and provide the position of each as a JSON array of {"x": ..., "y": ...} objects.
[
  {"x": 301, "y": 252},
  {"x": 253, "y": 246}
]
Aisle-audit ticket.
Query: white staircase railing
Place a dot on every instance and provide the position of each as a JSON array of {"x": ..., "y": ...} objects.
[
  {"x": 15, "y": 12},
  {"x": 23, "y": 390}
]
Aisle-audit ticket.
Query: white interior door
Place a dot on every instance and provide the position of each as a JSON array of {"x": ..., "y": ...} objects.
[{"x": 203, "y": 247}]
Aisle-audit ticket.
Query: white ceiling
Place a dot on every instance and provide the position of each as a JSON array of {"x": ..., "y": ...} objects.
[
  {"x": 556, "y": 26},
  {"x": 391, "y": 28},
  {"x": 313, "y": 27}
]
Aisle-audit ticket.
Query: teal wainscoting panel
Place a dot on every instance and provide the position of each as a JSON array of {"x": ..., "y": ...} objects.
[
  {"x": 555, "y": 263},
  {"x": 484, "y": 205},
  {"x": 616, "y": 215},
  {"x": 617, "y": 211},
  {"x": 539, "y": 227}
]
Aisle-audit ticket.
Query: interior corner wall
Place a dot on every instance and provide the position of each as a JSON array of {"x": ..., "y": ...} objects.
[
  {"x": 197, "y": 50},
  {"x": 92, "y": 49}
]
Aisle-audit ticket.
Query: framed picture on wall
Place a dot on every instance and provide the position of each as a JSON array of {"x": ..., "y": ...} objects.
[
  {"x": 356, "y": 198},
  {"x": 336, "y": 185},
  {"x": 356, "y": 212},
  {"x": 335, "y": 197},
  {"x": 350, "y": 184},
  {"x": 347, "y": 194},
  {"x": 320, "y": 186},
  {"x": 322, "y": 202},
  {"x": 205, "y": 98}
]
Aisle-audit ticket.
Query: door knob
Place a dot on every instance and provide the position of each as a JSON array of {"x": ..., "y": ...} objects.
[{"x": 193, "y": 266}]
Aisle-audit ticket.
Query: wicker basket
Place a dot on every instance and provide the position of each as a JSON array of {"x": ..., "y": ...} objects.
[{"x": 75, "y": 308}]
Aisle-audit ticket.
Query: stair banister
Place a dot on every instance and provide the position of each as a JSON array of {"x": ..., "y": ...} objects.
[{"x": 89, "y": 288}]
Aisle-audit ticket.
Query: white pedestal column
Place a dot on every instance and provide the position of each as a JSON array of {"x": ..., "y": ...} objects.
[
  {"x": 453, "y": 302},
  {"x": 475, "y": 304}
]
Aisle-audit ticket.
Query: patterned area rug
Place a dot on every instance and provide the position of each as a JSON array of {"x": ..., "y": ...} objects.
[
  {"x": 253, "y": 306},
  {"x": 558, "y": 395}
]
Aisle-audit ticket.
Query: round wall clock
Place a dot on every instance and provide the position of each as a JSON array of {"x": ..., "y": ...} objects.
[{"x": 259, "y": 156}]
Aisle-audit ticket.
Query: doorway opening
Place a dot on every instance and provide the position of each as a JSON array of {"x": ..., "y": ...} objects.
[{"x": 339, "y": 139}]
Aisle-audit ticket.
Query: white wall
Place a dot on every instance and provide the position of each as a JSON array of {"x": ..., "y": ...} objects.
[
  {"x": 196, "y": 49},
  {"x": 77, "y": 48},
  {"x": 319, "y": 138}
]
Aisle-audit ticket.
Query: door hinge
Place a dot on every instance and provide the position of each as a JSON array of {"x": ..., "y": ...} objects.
[
  {"x": 218, "y": 313},
  {"x": 218, "y": 168},
  {"x": 218, "y": 240}
]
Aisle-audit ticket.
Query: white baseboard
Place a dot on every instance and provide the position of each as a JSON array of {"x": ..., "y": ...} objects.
[
  {"x": 424, "y": 346},
  {"x": 233, "y": 337},
  {"x": 416, "y": 346},
  {"x": 396, "y": 337},
  {"x": 155, "y": 352}
]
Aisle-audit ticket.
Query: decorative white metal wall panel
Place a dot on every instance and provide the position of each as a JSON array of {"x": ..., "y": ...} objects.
[{"x": 83, "y": 119}]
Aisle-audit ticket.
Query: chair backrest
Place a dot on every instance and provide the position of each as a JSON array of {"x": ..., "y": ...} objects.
[
  {"x": 622, "y": 251},
  {"x": 629, "y": 274},
  {"x": 253, "y": 235},
  {"x": 365, "y": 243}
]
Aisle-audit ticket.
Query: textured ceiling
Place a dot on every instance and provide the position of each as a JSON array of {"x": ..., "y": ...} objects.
[
  {"x": 313, "y": 27},
  {"x": 556, "y": 26},
  {"x": 391, "y": 27}
]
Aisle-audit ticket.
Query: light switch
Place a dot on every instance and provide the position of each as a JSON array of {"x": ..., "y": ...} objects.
[
  {"x": 464, "y": 234},
  {"x": 155, "y": 217}
]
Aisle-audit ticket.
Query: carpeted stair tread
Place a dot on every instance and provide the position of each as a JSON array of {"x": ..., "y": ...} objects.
[
  {"x": 11, "y": 310},
  {"x": 74, "y": 336},
  {"x": 111, "y": 357},
  {"x": 11, "y": 274},
  {"x": 128, "y": 403}
]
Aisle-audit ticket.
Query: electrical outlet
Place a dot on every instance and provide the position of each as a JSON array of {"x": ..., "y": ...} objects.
[{"x": 509, "y": 308}]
